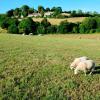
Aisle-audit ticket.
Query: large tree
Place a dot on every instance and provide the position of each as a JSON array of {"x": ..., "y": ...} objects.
[
  {"x": 25, "y": 10},
  {"x": 31, "y": 10},
  {"x": 16, "y": 12},
  {"x": 53, "y": 8},
  {"x": 57, "y": 11},
  {"x": 45, "y": 23},
  {"x": 64, "y": 27},
  {"x": 27, "y": 26},
  {"x": 10, "y": 13},
  {"x": 13, "y": 29},
  {"x": 40, "y": 9},
  {"x": 47, "y": 9}
]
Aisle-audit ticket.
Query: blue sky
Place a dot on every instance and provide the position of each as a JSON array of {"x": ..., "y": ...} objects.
[{"x": 85, "y": 5}]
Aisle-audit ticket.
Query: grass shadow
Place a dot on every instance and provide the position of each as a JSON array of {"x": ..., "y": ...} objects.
[{"x": 97, "y": 70}]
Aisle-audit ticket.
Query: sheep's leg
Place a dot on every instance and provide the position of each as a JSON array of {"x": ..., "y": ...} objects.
[
  {"x": 76, "y": 71},
  {"x": 91, "y": 71},
  {"x": 85, "y": 72}
]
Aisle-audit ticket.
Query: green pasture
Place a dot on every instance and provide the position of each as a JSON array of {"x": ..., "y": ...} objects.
[{"x": 37, "y": 67}]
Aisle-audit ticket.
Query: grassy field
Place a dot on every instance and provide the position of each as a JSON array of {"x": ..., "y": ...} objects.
[
  {"x": 54, "y": 21},
  {"x": 37, "y": 67}
]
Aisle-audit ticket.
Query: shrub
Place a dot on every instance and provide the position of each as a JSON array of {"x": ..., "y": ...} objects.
[
  {"x": 45, "y": 23},
  {"x": 9, "y": 21},
  {"x": 90, "y": 23},
  {"x": 75, "y": 29},
  {"x": 13, "y": 29},
  {"x": 10, "y": 13},
  {"x": 13, "y": 21},
  {"x": 82, "y": 28},
  {"x": 41, "y": 29},
  {"x": 98, "y": 30},
  {"x": 57, "y": 11},
  {"x": 27, "y": 26},
  {"x": 4, "y": 23},
  {"x": 97, "y": 21},
  {"x": 52, "y": 29},
  {"x": 63, "y": 27},
  {"x": 25, "y": 13},
  {"x": 92, "y": 31},
  {"x": 61, "y": 16},
  {"x": 2, "y": 18},
  {"x": 16, "y": 12}
]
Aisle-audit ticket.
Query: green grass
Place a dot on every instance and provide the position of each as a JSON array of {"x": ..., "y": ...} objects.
[{"x": 37, "y": 67}]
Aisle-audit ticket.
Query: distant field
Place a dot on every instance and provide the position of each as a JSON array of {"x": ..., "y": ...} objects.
[
  {"x": 3, "y": 31},
  {"x": 54, "y": 21},
  {"x": 37, "y": 67}
]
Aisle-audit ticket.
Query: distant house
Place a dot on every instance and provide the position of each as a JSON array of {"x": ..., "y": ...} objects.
[
  {"x": 65, "y": 14},
  {"x": 48, "y": 14},
  {"x": 22, "y": 16},
  {"x": 30, "y": 15},
  {"x": 36, "y": 14}
]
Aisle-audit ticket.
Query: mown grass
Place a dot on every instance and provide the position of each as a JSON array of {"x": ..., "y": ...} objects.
[
  {"x": 55, "y": 21},
  {"x": 37, "y": 67}
]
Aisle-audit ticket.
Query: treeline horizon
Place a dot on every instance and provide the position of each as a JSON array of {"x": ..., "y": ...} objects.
[
  {"x": 27, "y": 25},
  {"x": 50, "y": 9},
  {"x": 25, "y": 10}
]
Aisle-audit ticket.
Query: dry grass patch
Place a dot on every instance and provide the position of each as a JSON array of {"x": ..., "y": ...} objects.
[{"x": 55, "y": 21}]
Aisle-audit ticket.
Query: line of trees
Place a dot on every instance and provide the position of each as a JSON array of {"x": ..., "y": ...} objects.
[
  {"x": 27, "y": 26},
  {"x": 25, "y": 10}
]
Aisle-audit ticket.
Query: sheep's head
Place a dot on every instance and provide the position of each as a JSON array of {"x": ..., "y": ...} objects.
[{"x": 74, "y": 64}]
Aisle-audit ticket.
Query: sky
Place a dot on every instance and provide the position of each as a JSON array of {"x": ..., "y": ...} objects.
[{"x": 85, "y": 5}]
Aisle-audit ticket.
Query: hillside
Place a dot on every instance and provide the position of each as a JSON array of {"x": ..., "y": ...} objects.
[
  {"x": 37, "y": 67},
  {"x": 55, "y": 21}
]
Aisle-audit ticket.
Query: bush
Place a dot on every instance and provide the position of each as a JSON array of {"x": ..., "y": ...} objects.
[
  {"x": 12, "y": 21},
  {"x": 92, "y": 31},
  {"x": 45, "y": 23},
  {"x": 4, "y": 23},
  {"x": 90, "y": 23},
  {"x": 82, "y": 28},
  {"x": 27, "y": 26},
  {"x": 13, "y": 29},
  {"x": 2, "y": 18},
  {"x": 57, "y": 11},
  {"x": 52, "y": 29},
  {"x": 63, "y": 27},
  {"x": 41, "y": 29},
  {"x": 61, "y": 16},
  {"x": 9, "y": 21},
  {"x": 75, "y": 29},
  {"x": 25, "y": 13},
  {"x": 10, "y": 13},
  {"x": 98, "y": 30},
  {"x": 97, "y": 21}
]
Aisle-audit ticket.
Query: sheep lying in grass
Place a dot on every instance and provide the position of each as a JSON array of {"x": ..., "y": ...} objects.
[
  {"x": 86, "y": 65},
  {"x": 77, "y": 61}
]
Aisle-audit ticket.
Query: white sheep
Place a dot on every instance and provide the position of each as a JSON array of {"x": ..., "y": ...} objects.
[
  {"x": 86, "y": 65},
  {"x": 77, "y": 61}
]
